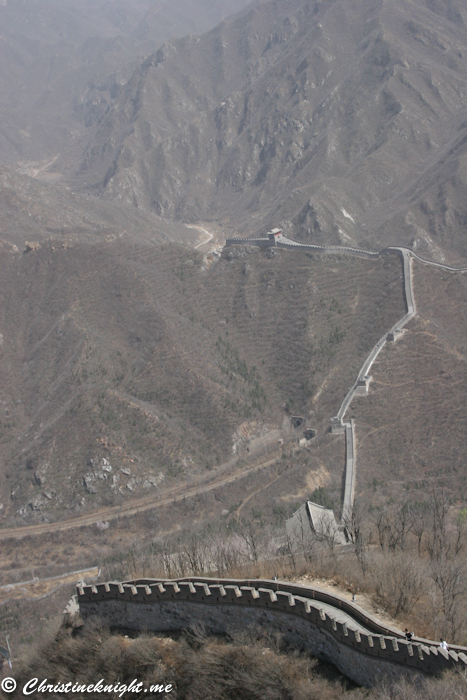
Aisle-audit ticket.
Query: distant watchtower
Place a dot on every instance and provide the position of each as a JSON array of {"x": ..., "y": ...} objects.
[{"x": 275, "y": 236}]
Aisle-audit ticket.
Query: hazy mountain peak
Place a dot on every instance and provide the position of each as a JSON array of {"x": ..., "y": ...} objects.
[{"x": 288, "y": 112}]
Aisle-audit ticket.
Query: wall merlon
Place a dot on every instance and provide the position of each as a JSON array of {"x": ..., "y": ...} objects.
[
  {"x": 254, "y": 593},
  {"x": 269, "y": 596},
  {"x": 235, "y": 590}
]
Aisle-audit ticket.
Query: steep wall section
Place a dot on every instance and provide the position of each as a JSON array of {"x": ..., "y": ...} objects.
[
  {"x": 328, "y": 626},
  {"x": 361, "y": 384}
]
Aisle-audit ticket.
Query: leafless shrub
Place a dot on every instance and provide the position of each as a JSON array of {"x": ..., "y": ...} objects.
[
  {"x": 199, "y": 667},
  {"x": 452, "y": 686},
  {"x": 360, "y": 532},
  {"x": 252, "y": 533}
]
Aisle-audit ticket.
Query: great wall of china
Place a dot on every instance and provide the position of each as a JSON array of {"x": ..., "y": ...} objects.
[
  {"x": 328, "y": 626},
  {"x": 360, "y": 387}
]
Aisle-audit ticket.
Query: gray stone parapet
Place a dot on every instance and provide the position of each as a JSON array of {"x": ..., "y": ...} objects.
[
  {"x": 350, "y": 464},
  {"x": 329, "y": 626},
  {"x": 260, "y": 242}
]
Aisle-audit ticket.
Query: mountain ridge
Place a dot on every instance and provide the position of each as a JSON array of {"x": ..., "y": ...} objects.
[{"x": 333, "y": 107}]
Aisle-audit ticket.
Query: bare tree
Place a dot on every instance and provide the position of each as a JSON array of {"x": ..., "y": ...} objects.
[
  {"x": 253, "y": 535},
  {"x": 449, "y": 574},
  {"x": 359, "y": 533},
  {"x": 290, "y": 549},
  {"x": 193, "y": 554},
  {"x": 419, "y": 525},
  {"x": 225, "y": 555},
  {"x": 439, "y": 545},
  {"x": 330, "y": 535},
  {"x": 400, "y": 582},
  {"x": 303, "y": 539},
  {"x": 394, "y": 526}
]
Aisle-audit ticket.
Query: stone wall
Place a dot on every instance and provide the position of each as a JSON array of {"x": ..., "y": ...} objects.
[
  {"x": 328, "y": 626},
  {"x": 259, "y": 242}
]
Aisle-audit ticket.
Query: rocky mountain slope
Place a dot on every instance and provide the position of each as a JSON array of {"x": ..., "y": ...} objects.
[
  {"x": 32, "y": 212},
  {"x": 344, "y": 121}
]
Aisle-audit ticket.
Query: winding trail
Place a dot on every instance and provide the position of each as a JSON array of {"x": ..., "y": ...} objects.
[{"x": 210, "y": 236}]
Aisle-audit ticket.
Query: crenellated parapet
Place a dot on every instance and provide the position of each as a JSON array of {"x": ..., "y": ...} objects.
[
  {"x": 258, "y": 242},
  {"x": 277, "y": 238},
  {"x": 328, "y": 626}
]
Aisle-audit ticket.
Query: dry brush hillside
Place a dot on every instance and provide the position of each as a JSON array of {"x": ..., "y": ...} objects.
[
  {"x": 151, "y": 359},
  {"x": 411, "y": 428}
]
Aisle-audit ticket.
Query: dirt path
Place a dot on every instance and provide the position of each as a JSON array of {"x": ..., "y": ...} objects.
[
  {"x": 209, "y": 236},
  {"x": 263, "y": 488},
  {"x": 39, "y": 588},
  {"x": 134, "y": 506}
]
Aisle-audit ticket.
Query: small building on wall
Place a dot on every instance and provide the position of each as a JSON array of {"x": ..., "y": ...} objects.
[
  {"x": 310, "y": 522},
  {"x": 275, "y": 236}
]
